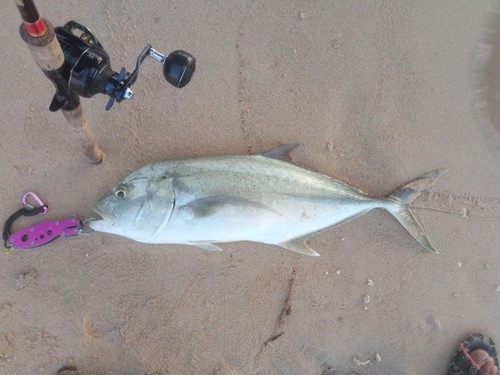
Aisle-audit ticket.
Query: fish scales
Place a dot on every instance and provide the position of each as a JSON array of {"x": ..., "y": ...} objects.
[{"x": 262, "y": 198}]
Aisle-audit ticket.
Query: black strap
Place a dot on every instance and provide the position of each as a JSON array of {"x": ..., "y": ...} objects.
[{"x": 16, "y": 215}]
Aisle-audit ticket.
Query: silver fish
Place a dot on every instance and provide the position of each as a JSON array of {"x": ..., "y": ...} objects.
[{"x": 261, "y": 198}]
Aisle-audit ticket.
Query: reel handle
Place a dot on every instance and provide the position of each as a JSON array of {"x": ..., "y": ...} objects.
[{"x": 178, "y": 68}]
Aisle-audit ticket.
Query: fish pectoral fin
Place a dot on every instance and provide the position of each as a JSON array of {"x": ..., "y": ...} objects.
[
  {"x": 205, "y": 246},
  {"x": 298, "y": 245},
  {"x": 209, "y": 206},
  {"x": 282, "y": 152}
]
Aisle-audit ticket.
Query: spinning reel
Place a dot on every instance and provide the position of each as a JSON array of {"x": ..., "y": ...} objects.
[
  {"x": 87, "y": 69},
  {"x": 76, "y": 63}
]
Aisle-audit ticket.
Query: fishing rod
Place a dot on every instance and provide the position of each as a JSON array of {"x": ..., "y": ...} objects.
[{"x": 74, "y": 60}]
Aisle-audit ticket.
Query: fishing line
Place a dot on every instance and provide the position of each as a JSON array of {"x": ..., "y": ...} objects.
[{"x": 455, "y": 213}]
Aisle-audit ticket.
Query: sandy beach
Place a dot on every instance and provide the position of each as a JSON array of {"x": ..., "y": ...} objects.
[{"x": 379, "y": 93}]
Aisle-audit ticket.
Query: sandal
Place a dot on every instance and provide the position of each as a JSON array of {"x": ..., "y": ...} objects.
[{"x": 463, "y": 364}]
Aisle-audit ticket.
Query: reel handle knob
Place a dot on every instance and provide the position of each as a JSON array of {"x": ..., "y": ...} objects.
[{"x": 178, "y": 68}]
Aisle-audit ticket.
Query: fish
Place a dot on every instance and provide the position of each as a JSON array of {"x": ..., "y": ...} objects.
[{"x": 266, "y": 198}]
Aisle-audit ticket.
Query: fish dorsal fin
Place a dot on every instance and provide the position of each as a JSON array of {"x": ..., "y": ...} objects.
[
  {"x": 299, "y": 246},
  {"x": 282, "y": 152}
]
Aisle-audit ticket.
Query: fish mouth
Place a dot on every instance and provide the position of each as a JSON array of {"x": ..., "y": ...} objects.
[
  {"x": 104, "y": 224},
  {"x": 104, "y": 217}
]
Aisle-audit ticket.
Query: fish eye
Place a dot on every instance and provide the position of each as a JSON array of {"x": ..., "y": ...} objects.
[{"x": 120, "y": 194}]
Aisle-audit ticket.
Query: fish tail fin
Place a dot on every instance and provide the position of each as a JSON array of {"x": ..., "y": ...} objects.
[{"x": 407, "y": 194}]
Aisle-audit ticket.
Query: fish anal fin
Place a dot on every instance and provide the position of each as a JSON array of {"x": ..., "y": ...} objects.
[
  {"x": 299, "y": 245},
  {"x": 205, "y": 246},
  {"x": 282, "y": 152}
]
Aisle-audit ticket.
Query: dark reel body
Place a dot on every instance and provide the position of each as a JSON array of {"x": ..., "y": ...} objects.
[{"x": 87, "y": 69}]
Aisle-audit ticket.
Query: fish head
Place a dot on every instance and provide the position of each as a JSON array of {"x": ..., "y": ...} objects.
[{"x": 136, "y": 207}]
